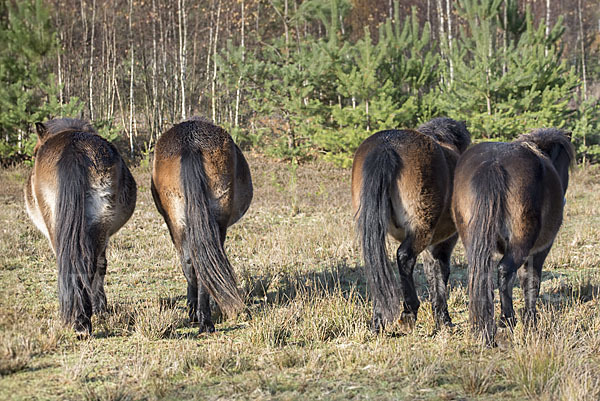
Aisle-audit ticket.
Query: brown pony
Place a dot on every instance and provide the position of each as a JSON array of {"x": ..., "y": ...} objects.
[
  {"x": 402, "y": 185},
  {"x": 201, "y": 185},
  {"x": 509, "y": 198},
  {"x": 79, "y": 193}
]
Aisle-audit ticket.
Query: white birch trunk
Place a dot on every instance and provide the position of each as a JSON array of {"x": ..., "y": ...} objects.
[
  {"x": 547, "y": 24},
  {"x": 238, "y": 93},
  {"x": 182, "y": 53},
  {"x": 91, "y": 63},
  {"x": 131, "y": 105},
  {"x": 214, "y": 75},
  {"x": 582, "y": 44},
  {"x": 450, "y": 63}
]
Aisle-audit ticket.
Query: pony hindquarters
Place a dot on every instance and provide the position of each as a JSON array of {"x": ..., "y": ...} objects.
[
  {"x": 75, "y": 192},
  {"x": 508, "y": 197},
  {"x": 201, "y": 184},
  {"x": 401, "y": 186},
  {"x": 479, "y": 211}
]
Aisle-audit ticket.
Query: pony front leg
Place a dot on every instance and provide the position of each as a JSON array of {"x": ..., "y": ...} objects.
[{"x": 406, "y": 258}]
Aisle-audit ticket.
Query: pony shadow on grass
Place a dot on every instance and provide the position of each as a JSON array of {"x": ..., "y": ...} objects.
[
  {"x": 281, "y": 288},
  {"x": 339, "y": 279}
]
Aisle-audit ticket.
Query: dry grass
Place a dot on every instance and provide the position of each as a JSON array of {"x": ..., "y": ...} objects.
[{"x": 306, "y": 334}]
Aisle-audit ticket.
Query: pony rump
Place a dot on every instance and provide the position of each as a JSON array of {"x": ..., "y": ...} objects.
[
  {"x": 549, "y": 140},
  {"x": 380, "y": 169},
  {"x": 75, "y": 250},
  {"x": 211, "y": 265},
  {"x": 448, "y": 131},
  {"x": 489, "y": 187}
]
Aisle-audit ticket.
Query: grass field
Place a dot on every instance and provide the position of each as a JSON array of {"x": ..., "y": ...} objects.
[{"x": 306, "y": 334}]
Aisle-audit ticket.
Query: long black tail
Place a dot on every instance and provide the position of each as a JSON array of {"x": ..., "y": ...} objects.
[
  {"x": 380, "y": 169},
  {"x": 489, "y": 188},
  {"x": 203, "y": 234},
  {"x": 75, "y": 248}
]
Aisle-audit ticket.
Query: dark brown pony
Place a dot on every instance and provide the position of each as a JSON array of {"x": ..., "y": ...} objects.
[
  {"x": 509, "y": 198},
  {"x": 201, "y": 185},
  {"x": 402, "y": 185},
  {"x": 79, "y": 193}
]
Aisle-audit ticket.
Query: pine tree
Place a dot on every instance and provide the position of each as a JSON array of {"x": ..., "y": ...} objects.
[
  {"x": 28, "y": 91},
  {"x": 504, "y": 93}
]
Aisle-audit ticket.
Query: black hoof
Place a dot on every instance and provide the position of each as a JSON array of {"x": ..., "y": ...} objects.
[
  {"x": 408, "y": 318},
  {"x": 83, "y": 328},
  {"x": 206, "y": 327},
  {"x": 439, "y": 325}
]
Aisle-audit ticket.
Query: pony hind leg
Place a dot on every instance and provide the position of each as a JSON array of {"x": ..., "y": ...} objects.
[
  {"x": 198, "y": 300},
  {"x": 204, "y": 317},
  {"x": 406, "y": 257},
  {"x": 192, "y": 282},
  {"x": 205, "y": 323},
  {"x": 507, "y": 268},
  {"x": 530, "y": 277},
  {"x": 98, "y": 294},
  {"x": 436, "y": 263}
]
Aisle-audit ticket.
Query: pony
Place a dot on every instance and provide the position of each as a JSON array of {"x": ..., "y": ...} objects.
[
  {"x": 201, "y": 185},
  {"x": 79, "y": 193},
  {"x": 509, "y": 198},
  {"x": 402, "y": 186}
]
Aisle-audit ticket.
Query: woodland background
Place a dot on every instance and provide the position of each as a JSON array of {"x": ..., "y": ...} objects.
[{"x": 299, "y": 79}]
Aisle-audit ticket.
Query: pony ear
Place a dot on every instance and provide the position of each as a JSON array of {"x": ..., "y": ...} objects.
[
  {"x": 569, "y": 135},
  {"x": 41, "y": 130}
]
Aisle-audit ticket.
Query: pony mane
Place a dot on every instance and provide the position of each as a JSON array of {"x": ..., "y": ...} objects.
[
  {"x": 447, "y": 130},
  {"x": 58, "y": 125},
  {"x": 198, "y": 119},
  {"x": 547, "y": 139}
]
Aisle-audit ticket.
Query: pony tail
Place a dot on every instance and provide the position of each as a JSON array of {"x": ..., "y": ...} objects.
[
  {"x": 75, "y": 250},
  {"x": 202, "y": 231},
  {"x": 380, "y": 169},
  {"x": 484, "y": 226}
]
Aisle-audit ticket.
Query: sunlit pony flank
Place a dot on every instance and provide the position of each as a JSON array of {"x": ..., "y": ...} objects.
[
  {"x": 201, "y": 185},
  {"x": 509, "y": 198},
  {"x": 79, "y": 193},
  {"x": 402, "y": 185}
]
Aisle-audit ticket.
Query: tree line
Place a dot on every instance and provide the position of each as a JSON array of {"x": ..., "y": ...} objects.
[{"x": 299, "y": 79}]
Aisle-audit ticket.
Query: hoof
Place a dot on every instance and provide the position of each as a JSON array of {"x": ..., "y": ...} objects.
[
  {"x": 83, "y": 329},
  {"x": 408, "y": 319},
  {"x": 443, "y": 320},
  {"x": 447, "y": 325},
  {"x": 206, "y": 327}
]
